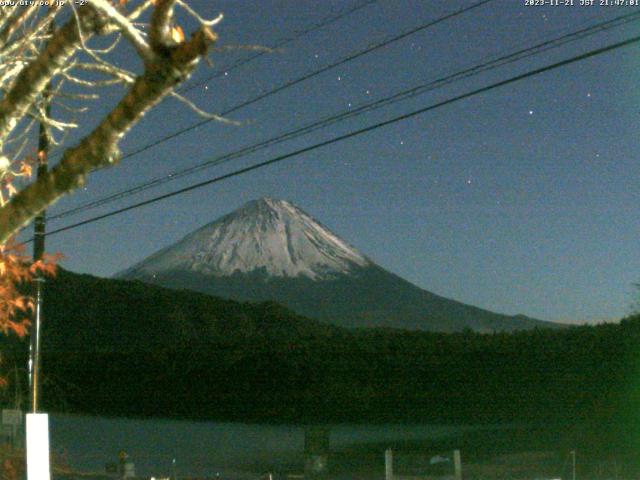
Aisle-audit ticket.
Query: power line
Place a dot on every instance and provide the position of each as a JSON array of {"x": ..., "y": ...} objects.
[
  {"x": 349, "y": 113},
  {"x": 327, "y": 21},
  {"x": 308, "y": 76},
  {"x": 355, "y": 133}
]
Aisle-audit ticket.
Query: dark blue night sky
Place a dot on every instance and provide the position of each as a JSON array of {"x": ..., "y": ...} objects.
[{"x": 519, "y": 200}]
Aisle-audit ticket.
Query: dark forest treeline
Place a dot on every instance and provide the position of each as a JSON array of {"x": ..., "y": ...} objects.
[{"x": 116, "y": 347}]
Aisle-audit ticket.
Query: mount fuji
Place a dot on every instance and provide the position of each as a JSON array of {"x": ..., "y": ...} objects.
[{"x": 271, "y": 250}]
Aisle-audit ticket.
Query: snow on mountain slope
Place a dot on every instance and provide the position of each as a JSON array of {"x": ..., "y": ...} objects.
[
  {"x": 270, "y": 250},
  {"x": 273, "y": 236}
]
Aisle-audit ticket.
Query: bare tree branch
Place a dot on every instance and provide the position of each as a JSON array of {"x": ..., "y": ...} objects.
[
  {"x": 161, "y": 25},
  {"x": 171, "y": 66},
  {"x": 201, "y": 20},
  {"x": 33, "y": 79},
  {"x": 31, "y": 35},
  {"x": 126, "y": 27},
  {"x": 18, "y": 18},
  {"x": 201, "y": 112},
  {"x": 140, "y": 9}
]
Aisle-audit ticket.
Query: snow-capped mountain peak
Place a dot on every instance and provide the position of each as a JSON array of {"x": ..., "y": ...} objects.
[{"x": 268, "y": 235}]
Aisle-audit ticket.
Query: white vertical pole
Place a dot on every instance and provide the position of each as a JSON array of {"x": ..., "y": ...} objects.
[
  {"x": 388, "y": 464},
  {"x": 457, "y": 463},
  {"x": 38, "y": 446}
]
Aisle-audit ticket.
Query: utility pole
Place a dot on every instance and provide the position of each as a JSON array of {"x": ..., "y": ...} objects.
[
  {"x": 37, "y": 424},
  {"x": 573, "y": 458},
  {"x": 38, "y": 250},
  {"x": 457, "y": 465},
  {"x": 388, "y": 464}
]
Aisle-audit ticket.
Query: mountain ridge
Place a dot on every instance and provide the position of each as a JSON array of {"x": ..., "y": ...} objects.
[
  {"x": 271, "y": 250},
  {"x": 265, "y": 233},
  {"x": 117, "y": 347}
]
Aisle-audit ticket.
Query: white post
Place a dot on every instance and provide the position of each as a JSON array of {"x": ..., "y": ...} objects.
[
  {"x": 457, "y": 464},
  {"x": 38, "y": 447},
  {"x": 388, "y": 464}
]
